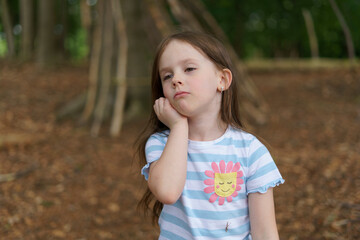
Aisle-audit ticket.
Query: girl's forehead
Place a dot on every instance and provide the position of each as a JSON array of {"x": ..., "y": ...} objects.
[
  {"x": 177, "y": 49},
  {"x": 178, "y": 45}
]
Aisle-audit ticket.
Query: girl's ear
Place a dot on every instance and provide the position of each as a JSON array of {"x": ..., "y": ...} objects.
[{"x": 225, "y": 79}]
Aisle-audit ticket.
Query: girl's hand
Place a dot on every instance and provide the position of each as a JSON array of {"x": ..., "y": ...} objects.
[{"x": 167, "y": 114}]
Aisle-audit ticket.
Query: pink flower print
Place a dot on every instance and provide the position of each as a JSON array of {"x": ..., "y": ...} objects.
[{"x": 224, "y": 181}]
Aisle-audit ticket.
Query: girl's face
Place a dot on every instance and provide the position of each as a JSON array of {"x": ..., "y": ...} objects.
[{"x": 190, "y": 81}]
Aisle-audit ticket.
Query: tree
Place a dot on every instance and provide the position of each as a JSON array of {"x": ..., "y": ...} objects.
[
  {"x": 46, "y": 41},
  {"x": 345, "y": 28},
  {"x": 6, "y": 19},
  {"x": 103, "y": 65},
  {"x": 120, "y": 27},
  {"x": 311, "y": 33},
  {"x": 27, "y": 23},
  {"x": 122, "y": 54}
]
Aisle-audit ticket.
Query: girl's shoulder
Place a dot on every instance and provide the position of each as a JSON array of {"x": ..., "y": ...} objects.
[
  {"x": 243, "y": 138},
  {"x": 238, "y": 133},
  {"x": 158, "y": 137}
]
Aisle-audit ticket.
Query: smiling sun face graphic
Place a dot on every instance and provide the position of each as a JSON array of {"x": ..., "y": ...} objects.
[{"x": 224, "y": 181}]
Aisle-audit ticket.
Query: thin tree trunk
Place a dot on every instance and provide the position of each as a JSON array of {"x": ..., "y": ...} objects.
[
  {"x": 86, "y": 22},
  {"x": 94, "y": 66},
  {"x": 105, "y": 69},
  {"x": 345, "y": 28},
  {"x": 309, "y": 23},
  {"x": 60, "y": 37},
  {"x": 118, "y": 112},
  {"x": 27, "y": 23},
  {"x": 45, "y": 45},
  {"x": 6, "y": 19},
  {"x": 159, "y": 22},
  {"x": 185, "y": 17}
]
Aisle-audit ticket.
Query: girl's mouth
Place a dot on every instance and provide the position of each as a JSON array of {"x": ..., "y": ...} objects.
[{"x": 180, "y": 94}]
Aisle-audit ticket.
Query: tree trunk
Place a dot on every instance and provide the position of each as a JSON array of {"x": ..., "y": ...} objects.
[
  {"x": 311, "y": 33},
  {"x": 117, "y": 119},
  {"x": 6, "y": 19},
  {"x": 157, "y": 21},
  {"x": 94, "y": 65},
  {"x": 345, "y": 28},
  {"x": 138, "y": 63},
  {"x": 186, "y": 18},
  {"x": 106, "y": 63},
  {"x": 45, "y": 44},
  {"x": 86, "y": 21},
  {"x": 27, "y": 23},
  {"x": 61, "y": 30}
]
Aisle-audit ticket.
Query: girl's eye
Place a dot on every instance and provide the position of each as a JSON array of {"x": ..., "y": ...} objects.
[
  {"x": 190, "y": 69},
  {"x": 168, "y": 76}
]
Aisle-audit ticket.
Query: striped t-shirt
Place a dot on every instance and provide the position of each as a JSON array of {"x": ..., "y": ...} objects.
[{"x": 220, "y": 175}]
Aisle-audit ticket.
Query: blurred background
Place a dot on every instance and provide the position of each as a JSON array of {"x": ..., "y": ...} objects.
[{"x": 75, "y": 94}]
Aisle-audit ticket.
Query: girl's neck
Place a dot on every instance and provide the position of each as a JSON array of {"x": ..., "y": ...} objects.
[{"x": 206, "y": 129}]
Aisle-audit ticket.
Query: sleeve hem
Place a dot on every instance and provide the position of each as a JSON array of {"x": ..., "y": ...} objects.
[
  {"x": 145, "y": 171},
  {"x": 264, "y": 189}
]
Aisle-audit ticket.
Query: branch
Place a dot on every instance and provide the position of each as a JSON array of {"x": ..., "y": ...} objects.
[{"x": 345, "y": 28}]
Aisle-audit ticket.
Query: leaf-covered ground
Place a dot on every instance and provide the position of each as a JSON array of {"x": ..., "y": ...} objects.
[{"x": 72, "y": 186}]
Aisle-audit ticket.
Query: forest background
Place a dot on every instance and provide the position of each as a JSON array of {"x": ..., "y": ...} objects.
[{"x": 74, "y": 95}]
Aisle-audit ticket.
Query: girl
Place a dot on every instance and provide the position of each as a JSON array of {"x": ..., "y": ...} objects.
[{"x": 211, "y": 179}]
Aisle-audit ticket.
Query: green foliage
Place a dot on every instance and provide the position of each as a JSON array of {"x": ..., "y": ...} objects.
[
  {"x": 277, "y": 28},
  {"x": 77, "y": 45},
  {"x": 3, "y": 47},
  {"x": 76, "y": 38}
]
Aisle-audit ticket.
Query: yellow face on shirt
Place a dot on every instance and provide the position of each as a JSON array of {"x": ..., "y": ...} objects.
[{"x": 225, "y": 184}]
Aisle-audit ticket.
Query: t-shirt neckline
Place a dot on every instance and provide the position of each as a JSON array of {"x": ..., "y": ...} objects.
[{"x": 194, "y": 143}]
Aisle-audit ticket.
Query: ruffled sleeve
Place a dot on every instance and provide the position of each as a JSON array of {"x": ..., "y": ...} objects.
[
  {"x": 262, "y": 172},
  {"x": 153, "y": 150}
]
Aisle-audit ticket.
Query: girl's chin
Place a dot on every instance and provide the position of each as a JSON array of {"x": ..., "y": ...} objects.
[{"x": 183, "y": 111}]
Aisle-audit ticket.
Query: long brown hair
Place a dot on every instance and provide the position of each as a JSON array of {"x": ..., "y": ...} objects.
[{"x": 229, "y": 111}]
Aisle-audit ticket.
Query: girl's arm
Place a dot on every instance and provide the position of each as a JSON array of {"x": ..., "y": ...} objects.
[
  {"x": 168, "y": 174},
  {"x": 262, "y": 216}
]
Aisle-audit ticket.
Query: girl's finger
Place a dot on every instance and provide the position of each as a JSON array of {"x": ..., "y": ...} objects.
[
  {"x": 156, "y": 106},
  {"x": 161, "y": 105}
]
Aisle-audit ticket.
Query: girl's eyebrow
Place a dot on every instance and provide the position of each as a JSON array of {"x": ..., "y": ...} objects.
[{"x": 184, "y": 61}]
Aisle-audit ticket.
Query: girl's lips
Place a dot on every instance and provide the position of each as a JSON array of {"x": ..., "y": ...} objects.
[{"x": 180, "y": 94}]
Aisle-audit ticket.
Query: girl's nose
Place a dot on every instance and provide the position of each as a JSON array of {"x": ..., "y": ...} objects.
[{"x": 176, "y": 81}]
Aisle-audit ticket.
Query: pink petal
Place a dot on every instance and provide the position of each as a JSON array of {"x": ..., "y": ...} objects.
[
  {"x": 215, "y": 167},
  {"x": 229, "y": 198},
  {"x": 222, "y": 166},
  {"x": 213, "y": 198},
  {"x": 209, "y": 189},
  {"x": 234, "y": 194},
  {"x": 221, "y": 200},
  {"x": 239, "y": 181},
  {"x": 238, "y": 188},
  {"x": 236, "y": 167},
  {"x": 229, "y": 167},
  {"x": 240, "y": 174},
  {"x": 209, "y": 181},
  {"x": 210, "y": 173}
]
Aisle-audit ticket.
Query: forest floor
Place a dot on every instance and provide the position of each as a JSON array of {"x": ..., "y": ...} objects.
[{"x": 70, "y": 185}]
